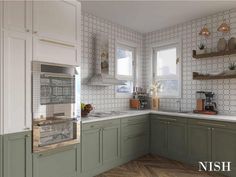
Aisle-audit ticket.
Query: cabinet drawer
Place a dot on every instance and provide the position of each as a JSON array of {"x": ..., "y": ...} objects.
[
  {"x": 212, "y": 123},
  {"x": 59, "y": 163},
  {"x": 100, "y": 124},
  {"x": 135, "y": 129},
  {"x": 168, "y": 118},
  {"x": 135, "y": 119}
]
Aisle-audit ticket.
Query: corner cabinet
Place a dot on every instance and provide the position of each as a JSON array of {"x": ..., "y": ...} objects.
[
  {"x": 169, "y": 137},
  {"x": 17, "y": 158},
  {"x": 56, "y": 31}
]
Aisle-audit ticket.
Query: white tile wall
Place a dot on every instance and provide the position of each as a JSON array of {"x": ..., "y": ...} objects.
[
  {"x": 225, "y": 89},
  {"x": 104, "y": 98}
]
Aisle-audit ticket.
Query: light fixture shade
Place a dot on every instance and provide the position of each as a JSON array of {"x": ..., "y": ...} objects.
[
  {"x": 224, "y": 27},
  {"x": 204, "y": 31}
]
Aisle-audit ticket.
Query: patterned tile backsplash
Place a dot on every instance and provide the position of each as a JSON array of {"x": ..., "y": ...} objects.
[
  {"x": 225, "y": 89},
  {"x": 104, "y": 98}
]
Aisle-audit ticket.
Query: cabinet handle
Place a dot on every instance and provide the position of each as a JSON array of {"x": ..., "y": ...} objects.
[
  {"x": 27, "y": 30},
  {"x": 26, "y": 128},
  {"x": 58, "y": 43},
  {"x": 35, "y": 32},
  {"x": 168, "y": 119},
  {"x": 211, "y": 124},
  {"x": 26, "y": 136}
]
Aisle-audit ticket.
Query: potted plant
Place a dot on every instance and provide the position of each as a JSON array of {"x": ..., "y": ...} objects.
[
  {"x": 202, "y": 48},
  {"x": 232, "y": 68},
  {"x": 85, "y": 109}
]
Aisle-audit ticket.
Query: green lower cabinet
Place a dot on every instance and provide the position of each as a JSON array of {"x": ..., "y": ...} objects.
[
  {"x": 91, "y": 149},
  {"x": 199, "y": 144},
  {"x": 224, "y": 148},
  {"x": 177, "y": 141},
  {"x": 135, "y": 137},
  {"x": 1, "y": 156},
  {"x": 17, "y": 158},
  {"x": 110, "y": 144},
  {"x": 100, "y": 146},
  {"x": 169, "y": 137},
  {"x": 159, "y": 137},
  {"x": 61, "y": 162}
]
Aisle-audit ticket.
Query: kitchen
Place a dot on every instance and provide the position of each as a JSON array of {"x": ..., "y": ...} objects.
[{"x": 88, "y": 91}]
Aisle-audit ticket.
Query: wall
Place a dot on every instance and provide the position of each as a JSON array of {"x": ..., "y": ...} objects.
[
  {"x": 104, "y": 98},
  {"x": 225, "y": 89}
]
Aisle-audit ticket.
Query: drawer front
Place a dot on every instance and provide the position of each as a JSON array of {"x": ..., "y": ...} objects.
[
  {"x": 134, "y": 119},
  {"x": 59, "y": 163},
  {"x": 212, "y": 123},
  {"x": 168, "y": 118},
  {"x": 100, "y": 124},
  {"x": 135, "y": 129}
]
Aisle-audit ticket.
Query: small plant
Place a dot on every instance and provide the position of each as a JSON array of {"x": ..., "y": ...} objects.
[
  {"x": 201, "y": 46},
  {"x": 232, "y": 65}
]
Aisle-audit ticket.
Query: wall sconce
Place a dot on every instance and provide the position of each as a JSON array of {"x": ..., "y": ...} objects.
[
  {"x": 204, "y": 31},
  {"x": 224, "y": 27}
]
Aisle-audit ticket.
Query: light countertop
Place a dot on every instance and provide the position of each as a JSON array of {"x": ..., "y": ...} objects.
[{"x": 218, "y": 117}]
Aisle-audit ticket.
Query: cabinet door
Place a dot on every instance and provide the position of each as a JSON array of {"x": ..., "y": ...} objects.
[
  {"x": 199, "y": 143},
  {"x": 56, "y": 20},
  {"x": 1, "y": 156},
  {"x": 17, "y": 81},
  {"x": 177, "y": 140},
  {"x": 159, "y": 137},
  {"x": 17, "y": 15},
  {"x": 17, "y": 155},
  {"x": 56, "y": 163},
  {"x": 91, "y": 149},
  {"x": 110, "y": 144},
  {"x": 224, "y": 147}
]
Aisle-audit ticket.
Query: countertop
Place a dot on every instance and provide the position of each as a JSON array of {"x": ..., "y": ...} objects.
[{"x": 218, "y": 117}]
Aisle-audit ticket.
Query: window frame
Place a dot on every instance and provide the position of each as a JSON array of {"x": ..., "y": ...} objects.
[
  {"x": 132, "y": 47},
  {"x": 167, "y": 45}
]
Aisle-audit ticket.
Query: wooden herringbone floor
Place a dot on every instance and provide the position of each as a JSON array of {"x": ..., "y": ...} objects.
[{"x": 155, "y": 166}]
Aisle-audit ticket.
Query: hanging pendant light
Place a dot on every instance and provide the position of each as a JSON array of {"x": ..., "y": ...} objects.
[
  {"x": 224, "y": 27},
  {"x": 204, "y": 31}
]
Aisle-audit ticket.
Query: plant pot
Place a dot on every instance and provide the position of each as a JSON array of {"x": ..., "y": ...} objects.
[{"x": 84, "y": 114}]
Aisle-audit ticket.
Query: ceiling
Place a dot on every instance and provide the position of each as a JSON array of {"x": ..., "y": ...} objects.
[{"x": 147, "y": 16}]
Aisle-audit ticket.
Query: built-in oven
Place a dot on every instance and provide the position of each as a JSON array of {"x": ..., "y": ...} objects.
[{"x": 56, "y": 105}]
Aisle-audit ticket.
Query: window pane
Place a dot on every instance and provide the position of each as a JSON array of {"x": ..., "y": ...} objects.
[
  {"x": 169, "y": 87},
  {"x": 127, "y": 88},
  {"x": 124, "y": 62},
  {"x": 166, "y": 62}
]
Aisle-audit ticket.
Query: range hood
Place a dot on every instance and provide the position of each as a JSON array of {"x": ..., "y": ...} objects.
[
  {"x": 101, "y": 76},
  {"x": 100, "y": 79}
]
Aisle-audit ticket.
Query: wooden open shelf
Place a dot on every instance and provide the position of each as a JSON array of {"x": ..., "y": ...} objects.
[
  {"x": 213, "y": 54},
  {"x": 208, "y": 77}
]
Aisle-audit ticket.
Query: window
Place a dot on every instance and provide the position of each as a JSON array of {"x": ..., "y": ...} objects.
[
  {"x": 125, "y": 68},
  {"x": 167, "y": 69}
]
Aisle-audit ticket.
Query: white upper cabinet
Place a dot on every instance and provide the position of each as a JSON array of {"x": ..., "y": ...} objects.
[
  {"x": 17, "y": 81},
  {"x": 56, "y": 31},
  {"x": 17, "y": 15},
  {"x": 16, "y": 38}
]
